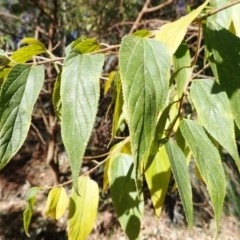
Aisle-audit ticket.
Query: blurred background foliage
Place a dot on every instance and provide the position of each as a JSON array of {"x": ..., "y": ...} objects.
[{"x": 59, "y": 22}]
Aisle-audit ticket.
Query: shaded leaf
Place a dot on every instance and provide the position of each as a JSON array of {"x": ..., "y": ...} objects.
[
  {"x": 144, "y": 69},
  {"x": 83, "y": 209},
  {"x": 158, "y": 177},
  {"x": 182, "y": 64},
  {"x": 124, "y": 195},
  {"x": 27, "y": 214},
  {"x": 118, "y": 106},
  {"x": 56, "y": 97},
  {"x": 4, "y": 59},
  {"x": 208, "y": 162},
  {"x": 181, "y": 176},
  {"x": 19, "y": 93},
  {"x": 80, "y": 94},
  {"x": 214, "y": 113},
  {"x": 173, "y": 33},
  {"x": 225, "y": 62},
  {"x": 108, "y": 83},
  {"x": 57, "y": 202},
  {"x": 229, "y": 18},
  {"x": 121, "y": 147}
]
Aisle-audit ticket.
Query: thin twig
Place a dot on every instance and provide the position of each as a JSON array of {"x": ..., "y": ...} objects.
[
  {"x": 116, "y": 150},
  {"x": 38, "y": 133},
  {"x": 139, "y": 17},
  {"x": 216, "y": 11},
  {"x": 201, "y": 70},
  {"x": 153, "y": 9}
]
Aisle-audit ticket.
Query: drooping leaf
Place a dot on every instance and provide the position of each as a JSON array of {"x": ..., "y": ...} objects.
[
  {"x": 57, "y": 202},
  {"x": 229, "y": 18},
  {"x": 144, "y": 69},
  {"x": 80, "y": 94},
  {"x": 182, "y": 63},
  {"x": 56, "y": 97},
  {"x": 124, "y": 194},
  {"x": 208, "y": 162},
  {"x": 180, "y": 171},
  {"x": 26, "y": 53},
  {"x": 27, "y": 215},
  {"x": 19, "y": 93},
  {"x": 108, "y": 83},
  {"x": 173, "y": 33},
  {"x": 225, "y": 62},
  {"x": 214, "y": 113},
  {"x": 121, "y": 147},
  {"x": 83, "y": 209},
  {"x": 33, "y": 41},
  {"x": 158, "y": 177},
  {"x": 118, "y": 106},
  {"x": 4, "y": 59}
]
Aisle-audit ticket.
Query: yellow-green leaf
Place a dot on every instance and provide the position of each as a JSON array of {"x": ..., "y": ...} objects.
[
  {"x": 56, "y": 97},
  {"x": 26, "y": 53},
  {"x": 182, "y": 67},
  {"x": 108, "y": 83},
  {"x": 121, "y": 147},
  {"x": 27, "y": 215},
  {"x": 118, "y": 106},
  {"x": 83, "y": 209},
  {"x": 173, "y": 33},
  {"x": 57, "y": 202},
  {"x": 33, "y": 41},
  {"x": 158, "y": 177}
]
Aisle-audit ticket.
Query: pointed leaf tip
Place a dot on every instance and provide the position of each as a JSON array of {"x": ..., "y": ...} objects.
[
  {"x": 79, "y": 92},
  {"x": 83, "y": 209}
]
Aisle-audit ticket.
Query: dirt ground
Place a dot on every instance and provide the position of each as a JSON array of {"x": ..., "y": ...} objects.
[{"x": 22, "y": 173}]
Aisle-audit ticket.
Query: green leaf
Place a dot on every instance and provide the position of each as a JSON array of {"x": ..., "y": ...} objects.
[
  {"x": 124, "y": 194},
  {"x": 181, "y": 176},
  {"x": 229, "y": 18},
  {"x": 182, "y": 63},
  {"x": 19, "y": 93},
  {"x": 208, "y": 162},
  {"x": 142, "y": 33},
  {"x": 27, "y": 215},
  {"x": 145, "y": 71},
  {"x": 87, "y": 46},
  {"x": 57, "y": 202},
  {"x": 83, "y": 209},
  {"x": 118, "y": 106},
  {"x": 4, "y": 59},
  {"x": 26, "y": 53},
  {"x": 80, "y": 94},
  {"x": 214, "y": 113},
  {"x": 173, "y": 33},
  {"x": 56, "y": 97},
  {"x": 158, "y": 177},
  {"x": 225, "y": 62},
  {"x": 33, "y": 41}
]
